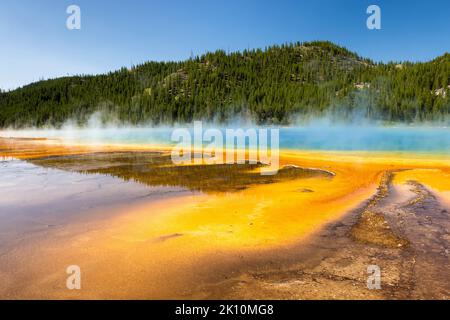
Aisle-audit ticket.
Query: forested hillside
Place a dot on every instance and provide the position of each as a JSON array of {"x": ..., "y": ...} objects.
[{"x": 272, "y": 86}]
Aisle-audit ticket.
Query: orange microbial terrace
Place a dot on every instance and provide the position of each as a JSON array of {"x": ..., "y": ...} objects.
[{"x": 162, "y": 231}]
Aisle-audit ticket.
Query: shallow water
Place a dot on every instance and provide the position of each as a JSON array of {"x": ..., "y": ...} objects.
[
  {"x": 34, "y": 198},
  {"x": 314, "y": 137}
]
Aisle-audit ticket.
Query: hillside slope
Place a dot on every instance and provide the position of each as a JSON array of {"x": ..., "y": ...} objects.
[{"x": 271, "y": 86}]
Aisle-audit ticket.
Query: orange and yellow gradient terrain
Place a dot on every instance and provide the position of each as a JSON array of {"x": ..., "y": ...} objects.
[{"x": 134, "y": 239}]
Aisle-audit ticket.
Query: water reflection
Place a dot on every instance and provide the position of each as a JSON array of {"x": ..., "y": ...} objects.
[
  {"x": 36, "y": 199},
  {"x": 156, "y": 169}
]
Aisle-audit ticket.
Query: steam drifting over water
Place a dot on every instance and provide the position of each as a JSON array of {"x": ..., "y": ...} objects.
[{"x": 313, "y": 136}]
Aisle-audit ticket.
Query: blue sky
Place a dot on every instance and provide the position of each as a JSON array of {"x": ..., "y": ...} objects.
[{"x": 36, "y": 44}]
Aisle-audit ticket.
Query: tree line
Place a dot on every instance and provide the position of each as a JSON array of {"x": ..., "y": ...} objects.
[{"x": 271, "y": 85}]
